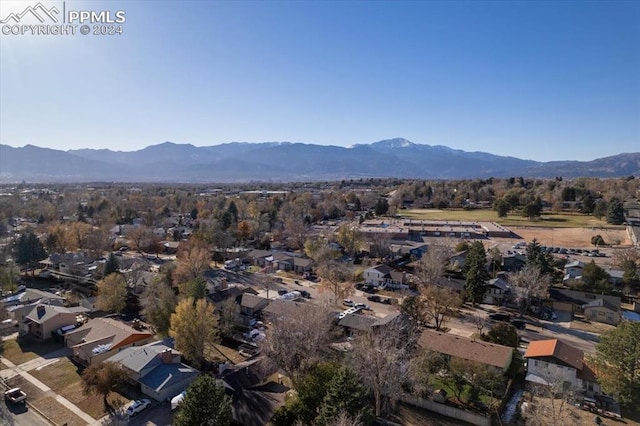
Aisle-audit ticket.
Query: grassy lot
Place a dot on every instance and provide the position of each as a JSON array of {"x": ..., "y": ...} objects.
[
  {"x": 23, "y": 351},
  {"x": 63, "y": 378},
  {"x": 551, "y": 220},
  {"x": 46, "y": 403},
  {"x": 437, "y": 383}
]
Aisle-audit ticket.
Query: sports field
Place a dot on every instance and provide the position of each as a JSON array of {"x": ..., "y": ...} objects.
[{"x": 551, "y": 220}]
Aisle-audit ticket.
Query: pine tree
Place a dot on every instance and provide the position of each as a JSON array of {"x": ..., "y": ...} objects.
[
  {"x": 205, "y": 404},
  {"x": 538, "y": 257},
  {"x": 476, "y": 274},
  {"x": 111, "y": 265},
  {"x": 615, "y": 212},
  {"x": 345, "y": 395}
]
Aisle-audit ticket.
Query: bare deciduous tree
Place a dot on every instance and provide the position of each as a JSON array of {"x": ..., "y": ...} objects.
[
  {"x": 439, "y": 304},
  {"x": 432, "y": 265},
  {"x": 530, "y": 282},
  {"x": 551, "y": 401},
  {"x": 381, "y": 358},
  {"x": 337, "y": 279},
  {"x": 298, "y": 336}
]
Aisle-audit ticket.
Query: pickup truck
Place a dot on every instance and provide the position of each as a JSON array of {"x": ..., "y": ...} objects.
[{"x": 15, "y": 396}]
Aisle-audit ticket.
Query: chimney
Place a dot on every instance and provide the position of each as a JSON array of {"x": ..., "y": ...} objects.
[{"x": 166, "y": 356}]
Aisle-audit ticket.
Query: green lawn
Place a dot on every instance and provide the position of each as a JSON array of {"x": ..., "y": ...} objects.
[
  {"x": 437, "y": 383},
  {"x": 552, "y": 220}
]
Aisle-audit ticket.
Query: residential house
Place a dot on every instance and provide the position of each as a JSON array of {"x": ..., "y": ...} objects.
[
  {"x": 600, "y": 310},
  {"x": 353, "y": 323},
  {"x": 409, "y": 248},
  {"x": 20, "y": 304},
  {"x": 156, "y": 368},
  {"x": 554, "y": 361},
  {"x": 513, "y": 262},
  {"x": 573, "y": 269},
  {"x": 384, "y": 276},
  {"x": 261, "y": 258},
  {"x": 616, "y": 276},
  {"x": 497, "y": 290},
  {"x": 288, "y": 262},
  {"x": 254, "y": 397},
  {"x": 43, "y": 320},
  {"x": 100, "y": 338},
  {"x": 573, "y": 301},
  {"x": 251, "y": 304},
  {"x": 457, "y": 260},
  {"x": 497, "y": 357}
]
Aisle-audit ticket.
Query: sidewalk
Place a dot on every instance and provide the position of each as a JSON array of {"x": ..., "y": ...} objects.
[{"x": 15, "y": 370}]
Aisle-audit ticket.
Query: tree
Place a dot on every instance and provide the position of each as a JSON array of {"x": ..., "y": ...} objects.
[
  {"x": 158, "y": 302},
  {"x": 617, "y": 361},
  {"x": 111, "y": 265},
  {"x": 205, "y": 403},
  {"x": 597, "y": 240},
  {"x": 502, "y": 334},
  {"x": 595, "y": 279},
  {"x": 538, "y": 257},
  {"x": 475, "y": 272},
  {"x": 502, "y": 207},
  {"x": 615, "y": 212},
  {"x": 336, "y": 278},
  {"x": 345, "y": 394},
  {"x": 600, "y": 209},
  {"x": 101, "y": 379},
  {"x": 529, "y": 283},
  {"x": 112, "y": 293},
  {"x": 228, "y": 312},
  {"x": 311, "y": 388},
  {"x": 193, "y": 259},
  {"x": 439, "y": 304},
  {"x": 379, "y": 358},
  {"x": 413, "y": 307},
  {"x": 349, "y": 237},
  {"x": 194, "y": 328},
  {"x": 298, "y": 337},
  {"x": 550, "y": 402},
  {"x": 432, "y": 265},
  {"x": 382, "y": 207},
  {"x": 532, "y": 209},
  {"x": 29, "y": 249},
  {"x": 9, "y": 276}
]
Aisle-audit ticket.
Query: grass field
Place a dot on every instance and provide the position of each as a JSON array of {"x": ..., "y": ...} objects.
[
  {"x": 555, "y": 220},
  {"x": 64, "y": 379},
  {"x": 19, "y": 352}
]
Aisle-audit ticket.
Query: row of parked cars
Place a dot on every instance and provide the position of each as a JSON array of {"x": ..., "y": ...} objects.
[{"x": 571, "y": 251}]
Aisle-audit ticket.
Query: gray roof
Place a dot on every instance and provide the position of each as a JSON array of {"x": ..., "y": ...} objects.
[
  {"x": 600, "y": 303},
  {"x": 252, "y": 301},
  {"x": 357, "y": 322},
  {"x": 43, "y": 313},
  {"x": 167, "y": 375},
  {"x": 137, "y": 358}
]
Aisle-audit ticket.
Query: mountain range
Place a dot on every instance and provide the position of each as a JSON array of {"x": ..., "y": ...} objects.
[{"x": 287, "y": 162}]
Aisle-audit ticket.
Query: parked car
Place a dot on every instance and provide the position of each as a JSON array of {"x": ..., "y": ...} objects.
[
  {"x": 305, "y": 294},
  {"x": 500, "y": 317},
  {"x": 520, "y": 324},
  {"x": 363, "y": 306},
  {"x": 283, "y": 291},
  {"x": 374, "y": 298},
  {"x": 348, "y": 302},
  {"x": 15, "y": 396},
  {"x": 137, "y": 407}
]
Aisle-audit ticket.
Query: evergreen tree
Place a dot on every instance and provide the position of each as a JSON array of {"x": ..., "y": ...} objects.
[
  {"x": 111, "y": 265},
  {"x": 502, "y": 207},
  {"x": 29, "y": 249},
  {"x": 615, "y": 212},
  {"x": 475, "y": 272},
  {"x": 205, "y": 404},
  {"x": 382, "y": 207},
  {"x": 588, "y": 203},
  {"x": 345, "y": 394},
  {"x": 600, "y": 209},
  {"x": 537, "y": 257}
]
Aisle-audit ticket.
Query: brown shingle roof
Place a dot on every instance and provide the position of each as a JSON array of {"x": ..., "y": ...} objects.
[
  {"x": 465, "y": 348},
  {"x": 556, "y": 349}
]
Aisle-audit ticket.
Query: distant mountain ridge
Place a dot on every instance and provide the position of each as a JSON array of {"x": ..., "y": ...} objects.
[{"x": 288, "y": 161}]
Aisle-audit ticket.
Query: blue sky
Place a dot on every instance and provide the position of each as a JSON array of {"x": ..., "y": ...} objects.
[{"x": 537, "y": 80}]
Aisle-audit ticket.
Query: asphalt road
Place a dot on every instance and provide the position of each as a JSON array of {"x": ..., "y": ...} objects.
[{"x": 19, "y": 414}]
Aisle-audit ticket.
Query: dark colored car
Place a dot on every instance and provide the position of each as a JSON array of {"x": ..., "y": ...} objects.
[
  {"x": 374, "y": 298},
  {"x": 500, "y": 317},
  {"x": 520, "y": 324},
  {"x": 283, "y": 291}
]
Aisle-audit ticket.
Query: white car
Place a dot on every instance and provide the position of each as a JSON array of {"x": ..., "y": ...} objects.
[{"x": 137, "y": 407}]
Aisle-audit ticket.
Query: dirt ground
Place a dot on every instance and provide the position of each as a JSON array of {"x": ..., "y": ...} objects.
[{"x": 572, "y": 237}]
